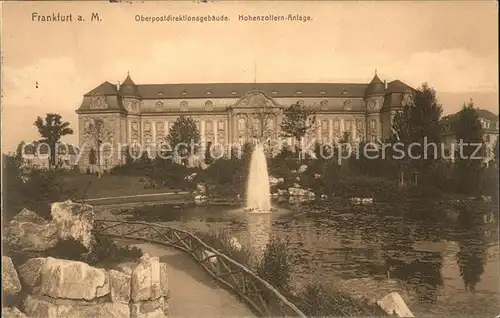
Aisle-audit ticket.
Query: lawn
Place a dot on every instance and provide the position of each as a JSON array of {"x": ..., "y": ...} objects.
[{"x": 90, "y": 186}]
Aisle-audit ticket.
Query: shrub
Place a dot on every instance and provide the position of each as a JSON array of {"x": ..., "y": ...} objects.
[
  {"x": 317, "y": 300},
  {"x": 104, "y": 252},
  {"x": 275, "y": 266}
]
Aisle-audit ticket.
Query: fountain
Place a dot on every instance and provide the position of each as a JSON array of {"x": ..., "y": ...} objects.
[{"x": 258, "y": 194}]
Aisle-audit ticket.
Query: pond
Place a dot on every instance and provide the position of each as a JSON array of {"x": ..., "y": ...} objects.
[{"x": 439, "y": 268}]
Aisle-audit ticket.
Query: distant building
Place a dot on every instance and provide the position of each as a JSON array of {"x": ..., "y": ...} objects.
[
  {"x": 489, "y": 122},
  {"x": 36, "y": 154},
  {"x": 229, "y": 113}
]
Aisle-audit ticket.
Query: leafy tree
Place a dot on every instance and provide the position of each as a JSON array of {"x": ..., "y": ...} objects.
[
  {"x": 51, "y": 129},
  {"x": 31, "y": 188},
  {"x": 183, "y": 135},
  {"x": 297, "y": 121},
  {"x": 96, "y": 132},
  {"x": 418, "y": 122},
  {"x": 471, "y": 149}
]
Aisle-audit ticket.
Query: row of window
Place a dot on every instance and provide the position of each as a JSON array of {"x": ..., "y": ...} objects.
[{"x": 270, "y": 124}]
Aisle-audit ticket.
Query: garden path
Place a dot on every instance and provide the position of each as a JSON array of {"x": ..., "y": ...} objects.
[{"x": 194, "y": 293}]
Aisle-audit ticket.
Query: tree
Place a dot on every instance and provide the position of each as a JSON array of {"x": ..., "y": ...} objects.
[
  {"x": 51, "y": 129},
  {"x": 297, "y": 121},
  {"x": 471, "y": 149},
  {"x": 183, "y": 137},
  {"x": 95, "y": 131},
  {"x": 418, "y": 122}
]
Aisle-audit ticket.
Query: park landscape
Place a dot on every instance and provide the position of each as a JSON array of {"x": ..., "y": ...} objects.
[{"x": 331, "y": 237}]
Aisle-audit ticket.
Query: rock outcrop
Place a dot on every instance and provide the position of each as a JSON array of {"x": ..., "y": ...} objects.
[
  {"x": 10, "y": 281},
  {"x": 74, "y": 289},
  {"x": 74, "y": 221},
  {"x": 149, "y": 288},
  {"x": 12, "y": 312},
  {"x": 72, "y": 280},
  {"x": 28, "y": 232}
]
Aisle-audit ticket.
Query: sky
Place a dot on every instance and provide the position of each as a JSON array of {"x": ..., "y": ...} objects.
[{"x": 451, "y": 45}]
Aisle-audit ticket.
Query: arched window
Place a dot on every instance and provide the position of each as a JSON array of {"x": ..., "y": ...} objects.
[{"x": 241, "y": 124}]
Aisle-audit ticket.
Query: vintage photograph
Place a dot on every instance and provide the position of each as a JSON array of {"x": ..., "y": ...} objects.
[{"x": 249, "y": 159}]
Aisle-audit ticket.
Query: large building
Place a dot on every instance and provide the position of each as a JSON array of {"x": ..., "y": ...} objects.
[{"x": 228, "y": 113}]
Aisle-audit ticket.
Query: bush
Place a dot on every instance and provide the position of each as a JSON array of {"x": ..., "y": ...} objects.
[
  {"x": 275, "y": 266},
  {"x": 31, "y": 188},
  {"x": 104, "y": 252},
  {"x": 318, "y": 300}
]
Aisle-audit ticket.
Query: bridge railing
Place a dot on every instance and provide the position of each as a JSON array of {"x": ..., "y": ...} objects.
[{"x": 233, "y": 275}]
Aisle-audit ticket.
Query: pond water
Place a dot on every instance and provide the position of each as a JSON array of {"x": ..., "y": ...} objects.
[{"x": 438, "y": 268}]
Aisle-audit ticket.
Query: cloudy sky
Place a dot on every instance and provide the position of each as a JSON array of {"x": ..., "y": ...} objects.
[{"x": 451, "y": 45}]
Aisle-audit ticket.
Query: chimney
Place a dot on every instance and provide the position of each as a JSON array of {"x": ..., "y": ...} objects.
[
  {"x": 385, "y": 84},
  {"x": 118, "y": 86}
]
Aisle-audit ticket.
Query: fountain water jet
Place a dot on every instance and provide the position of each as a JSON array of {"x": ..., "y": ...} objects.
[{"x": 258, "y": 194}]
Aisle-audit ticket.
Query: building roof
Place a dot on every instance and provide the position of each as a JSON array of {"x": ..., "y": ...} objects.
[
  {"x": 237, "y": 90},
  {"x": 481, "y": 113},
  {"x": 376, "y": 86}
]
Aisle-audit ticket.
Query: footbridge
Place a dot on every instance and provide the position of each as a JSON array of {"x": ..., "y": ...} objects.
[{"x": 237, "y": 280}]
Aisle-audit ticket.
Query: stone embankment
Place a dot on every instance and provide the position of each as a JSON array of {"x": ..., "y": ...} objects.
[
  {"x": 46, "y": 287},
  {"x": 63, "y": 288}
]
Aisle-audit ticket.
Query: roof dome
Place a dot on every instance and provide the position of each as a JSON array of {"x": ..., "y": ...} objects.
[
  {"x": 376, "y": 86},
  {"x": 128, "y": 88}
]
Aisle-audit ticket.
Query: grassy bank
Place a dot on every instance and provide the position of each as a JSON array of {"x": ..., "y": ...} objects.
[{"x": 275, "y": 267}]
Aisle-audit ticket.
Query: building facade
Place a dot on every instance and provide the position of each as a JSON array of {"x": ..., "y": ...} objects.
[
  {"x": 229, "y": 113},
  {"x": 489, "y": 123}
]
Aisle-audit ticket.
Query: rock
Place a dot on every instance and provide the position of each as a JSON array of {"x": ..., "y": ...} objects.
[
  {"x": 299, "y": 192},
  {"x": 72, "y": 280},
  {"x": 119, "y": 285},
  {"x": 28, "y": 232},
  {"x": 164, "y": 279},
  {"x": 282, "y": 192},
  {"x": 275, "y": 194},
  {"x": 324, "y": 197},
  {"x": 12, "y": 312},
  {"x": 127, "y": 267},
  {"x": 150, "y": 309},
  {"x": 10, "y": 281},
  {"x": 393, "y": 304},
  {"x": 318, "y": 176},
  {"x": 200, "y": 199},
  {"x": 145, "y": 279},
  {"x": 201, "y": 189},
  {"x": 30, "y": 272},
  {"x": 74, "y": 221},
  {"x": 275, "y": 181},
  {"x": 303, "y": 168},
  {"x": 36, "y": 307}
]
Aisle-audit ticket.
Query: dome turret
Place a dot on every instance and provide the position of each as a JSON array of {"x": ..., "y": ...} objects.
[
  {"x": 128, "y": 88},
  {"x": 376, "y": 86}
]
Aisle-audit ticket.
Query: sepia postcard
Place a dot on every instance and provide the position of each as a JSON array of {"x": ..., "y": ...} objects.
[{"x": 249, "y": 158}]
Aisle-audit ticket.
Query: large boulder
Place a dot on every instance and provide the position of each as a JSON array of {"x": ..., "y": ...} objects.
[
  {"x": 157, "y": 308},
  {"x": 72, "y": 280},
  {"x": 10, "y": 281},
  {"x": 119, "y": 285},
  {"x": 30, "y": 271},
  {"x": 393, "y": 304},
  {"x": 29, "y": 232},
  {"x": 74, "y": 221},
  {"x": 38, "y": 307},
  {"x": 12, "y": 312},
  {"x": 147, "y": 282}
]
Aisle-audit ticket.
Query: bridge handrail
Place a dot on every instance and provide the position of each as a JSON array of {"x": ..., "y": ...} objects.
[{"x": 210, "y": 259}]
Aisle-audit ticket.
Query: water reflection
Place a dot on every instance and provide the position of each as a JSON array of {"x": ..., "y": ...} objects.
[
  {"x": 259, "y": 231},
  {"x": 472, "y": 253}
]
